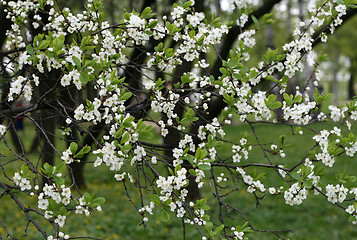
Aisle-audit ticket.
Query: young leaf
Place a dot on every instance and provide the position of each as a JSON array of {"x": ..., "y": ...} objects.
[
  {"x": 73, "y": 147},
  {"x": 165, "y": 215}
]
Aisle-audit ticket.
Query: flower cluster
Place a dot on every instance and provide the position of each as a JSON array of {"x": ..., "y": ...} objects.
[
  {"x": 22, "y": 182},
  {"x": 252, "y": 184},
  {"x": 2, "y": 130},
  {"x": 323, "y": 142},
  {"x": 241, "y": 150},
  {"x": 336, "y": 193}
]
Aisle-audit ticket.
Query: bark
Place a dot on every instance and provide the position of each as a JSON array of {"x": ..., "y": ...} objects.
[
  {"x": 48, "y": 117},
  {"x": 45, "y": 99},
  {"x": 174, "y": 135},
  {"x": 4, "y": 26},
  {"x": 199, "y": 6},
  {"x": 133, "y": 72},
  {"x": 16, "y": 141},
  {"x": 288, "y": 20},
  {"x": 47, "y": 123},
  {"x": 133, "y": 76},
  {"x": 216, "y": 105},
  {"x": 78, "y": 167},
  {"x": 35, "y": 143},
  {"x": 351, "y": 90}
]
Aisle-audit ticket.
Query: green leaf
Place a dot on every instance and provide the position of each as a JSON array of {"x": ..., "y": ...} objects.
[
  {"x": 297, "y": 99},
  {"x": 84, "y": 77},
  {"x": 186, "y": 79},
  {"x": 87, "y": 197},
  {"x": 169, "y": 26},
  {"x": 29, "y": 49},
  {"x": 275, "y": 105},
  {"x": 147, "y": 13},
  {"x": 80, "y": 154},
  {"x": 228, "y": 98},
  {"x": 148, "y": 32},
  {"x": 73, "y": 147},
  {"x": 153, "y": 24},
  {"x": 204, "y": 167},
  {"x": 126, "y": 16},
  {"x": 63, "y": 211},
  {"x": 85, "y": 41},
  {"x": 58, "y": 43},
  {"x": 77, "y": 62},
  {"x": 187, "y": 4},
  {"x": 159, "y": 47},
  {"x": 158, "y": 84},
  {"x": 165, "y": 215},
  {"x": 43, "y": 44},
  {"x": 30, "y": 176},
  {"x": 125, "y": 96},
  {"x": 86, "y": 149},
  {"x": 296, "y": 176},
  {"x": 155, "y": 199},
  {"x": 167, "y": 202},
  {"x": 209, "y": 226},
  {"x": 190, "y": 159},
  {"x": 125, "y": 148},
  {"x": 282, "y": 139},
  {"x": 60, "y": 167},
  {"x": 128, "y": 122},
  {"x": 218, "y": 229},
  {"x": 288, "y": 99},
  {"x": 255, "y": 20},
  {"x": 112, "y": 75},
  {"x": 125, "y": 138},
  {"x": 271, "y": 103},
  {"x": 47, "y": 169},
  {"x": 98, "y": 201},
  {"x": 59, "y": 180},
  {"x": 177, "y": 168},
  {"x": 206, "y": 217},
  {"x": 308, "y": 184},
  {"x": 169, "y": 52},
  {"x": 205, "y": 207}
]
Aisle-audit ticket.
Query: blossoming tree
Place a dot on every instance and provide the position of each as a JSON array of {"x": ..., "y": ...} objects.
[{"x": 114, "y": 88}]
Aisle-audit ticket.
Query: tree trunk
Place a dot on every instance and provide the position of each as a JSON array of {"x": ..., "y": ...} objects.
[
  {"x": 174, "y": 135},
  {"x": 78, "y": 167},
  {"x": 16, "y": 141},
  {"x": 48, "y": 118},
  {"x": 351, "y": 90}
]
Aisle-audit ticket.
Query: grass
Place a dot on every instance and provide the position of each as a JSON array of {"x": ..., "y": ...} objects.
[{"x": 314, "y": 219}]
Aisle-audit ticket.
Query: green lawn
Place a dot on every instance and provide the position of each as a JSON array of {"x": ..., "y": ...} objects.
[{"x": 314, "y": 219}]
